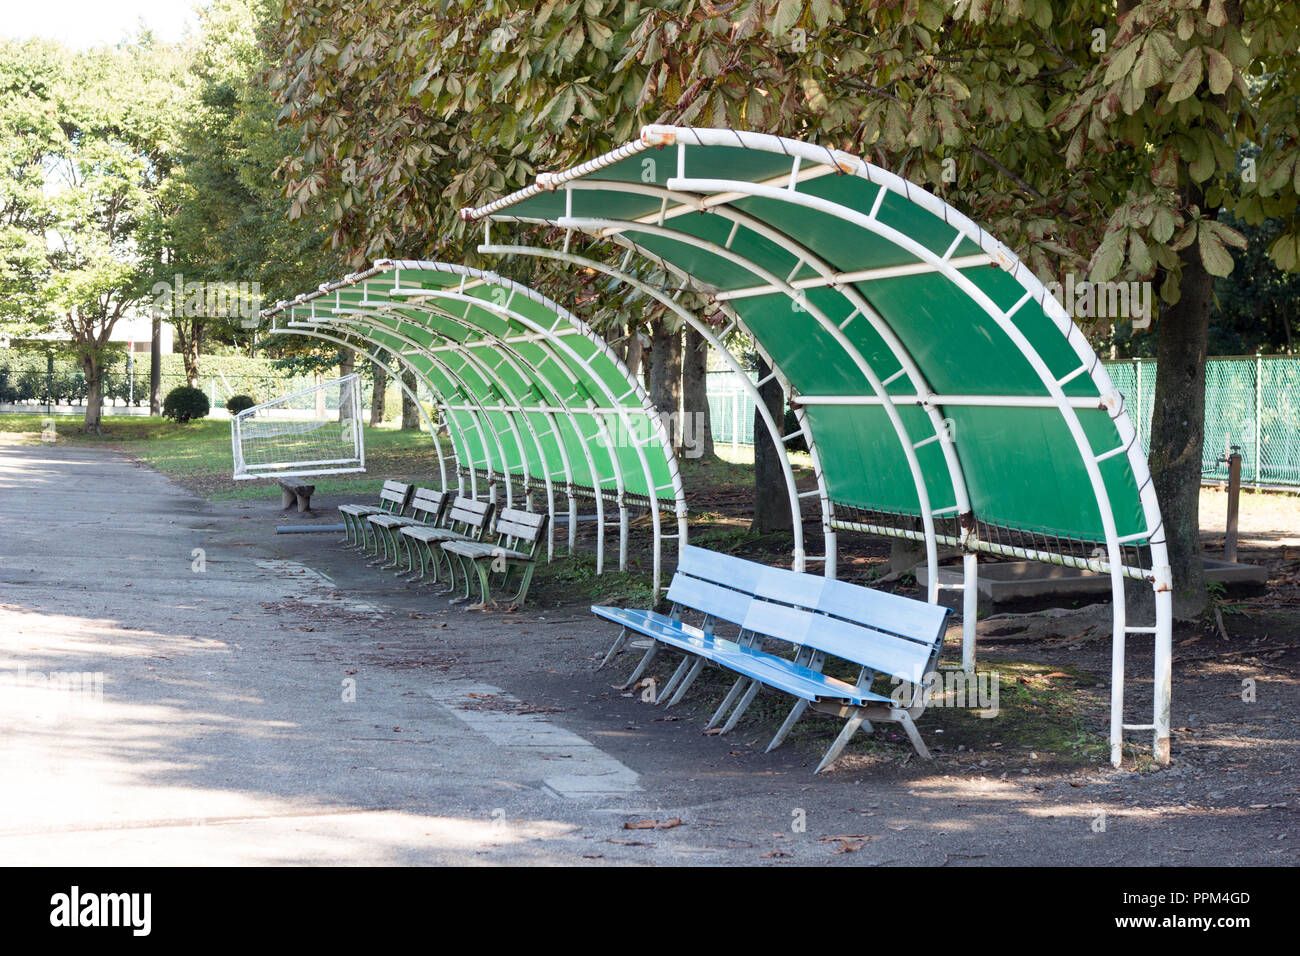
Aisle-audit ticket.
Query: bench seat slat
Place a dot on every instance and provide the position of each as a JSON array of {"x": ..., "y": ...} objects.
[
  {"x": 481, "y": 549},
  {"x": 777, "y": 672},
  {"x": 424, "y": 533}
]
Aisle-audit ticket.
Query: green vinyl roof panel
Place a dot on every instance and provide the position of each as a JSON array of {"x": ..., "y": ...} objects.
[{"x": 936, "y": 374}]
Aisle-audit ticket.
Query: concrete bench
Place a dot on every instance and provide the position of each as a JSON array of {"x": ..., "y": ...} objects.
[
  {"x": 292, "y": 491},
  {"x": 814, "y": 617}
]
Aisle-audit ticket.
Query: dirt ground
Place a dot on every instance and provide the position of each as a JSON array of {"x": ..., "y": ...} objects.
[
  {"x": 1024, "y": 782},
  {"x": 1232, "y": 787}
]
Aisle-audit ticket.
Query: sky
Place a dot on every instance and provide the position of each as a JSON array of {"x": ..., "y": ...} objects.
[{"x": 86, "y": 23}]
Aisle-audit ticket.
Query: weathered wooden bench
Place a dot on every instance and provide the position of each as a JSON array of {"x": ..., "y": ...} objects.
[
  {"x": 816, "y": 617},
  {"x": 519, "y": 533},
  {"x": 465, "y": 520},
  {"x": 393, "y": 499},
  {"x": 426, "y": 507},
  {"x": 293, "y": 491}
]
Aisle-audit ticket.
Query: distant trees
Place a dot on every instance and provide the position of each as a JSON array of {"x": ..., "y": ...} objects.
[{"x": 87, "y": 138}]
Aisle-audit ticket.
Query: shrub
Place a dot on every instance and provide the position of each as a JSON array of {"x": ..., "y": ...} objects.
[
  {"x": 185, "y": 403},
  {"x": 237, "y": 403}
]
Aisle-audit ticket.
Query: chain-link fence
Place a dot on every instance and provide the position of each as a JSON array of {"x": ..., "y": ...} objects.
[
  {"x": 1252, "y": 403},
  {"x": 731, "y": 410}
]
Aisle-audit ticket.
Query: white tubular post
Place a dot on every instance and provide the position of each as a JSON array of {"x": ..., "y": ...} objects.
[{"x": 970, "y": 599}]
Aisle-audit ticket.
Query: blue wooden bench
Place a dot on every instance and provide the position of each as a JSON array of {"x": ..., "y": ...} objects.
[
  {"x": 519, "y": 533},
  {"x": 393, "y": 499},
  {"x": 813, "y": 619},
  {"x": 427, "y": 507},
  {"x": 465, "y": 520}
]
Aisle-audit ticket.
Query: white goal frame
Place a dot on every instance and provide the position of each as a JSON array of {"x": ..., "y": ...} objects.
[{"x": 347, "y": 384}]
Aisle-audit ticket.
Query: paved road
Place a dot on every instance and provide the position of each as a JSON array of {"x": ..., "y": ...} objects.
[{"x": 243, "y": 698}]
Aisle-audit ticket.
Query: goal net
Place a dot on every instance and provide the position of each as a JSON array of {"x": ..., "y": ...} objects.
[{"x": 313, "y": 431}]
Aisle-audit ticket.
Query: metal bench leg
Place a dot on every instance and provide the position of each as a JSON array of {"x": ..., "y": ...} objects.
[
  {"x": 410, "y": 561},
  {"x": 440, "y": 557},
  {"x": 464, "y": 570},
  {"x": 347, "y": 529},
  {"x": 850, "y": 728},
  {"x": 742, "y": 706},
  {"x": 727, "y": 701},
  {"x": 482, "y": 568},
  {"x": 799, "y": 707},
  {"x": 392, "y": 534},
  {"x": 686, "y": 683},
  {"x": 672, "y": 682},
  {"x": 615, "y": 647},
  {"x": 522, "y": 595},
  {"x": 640, "y": 668},
  {"x": 909, "y": 726},
  {"x": 381, "y": 549}
]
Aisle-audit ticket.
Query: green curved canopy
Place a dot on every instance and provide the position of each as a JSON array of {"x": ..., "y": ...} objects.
[{"x": 939, "y": 379}]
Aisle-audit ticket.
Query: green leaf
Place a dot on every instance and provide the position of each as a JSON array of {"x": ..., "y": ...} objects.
[
  {"x": 1220, "y": 70},
  {"x": 1285, "y": 252},
  {"x": 786, "y": 16},
  {"x": 1187, "y": 77},
  {"x": 1214, "y": 255},
  {"x": 1107, "y": 259}
]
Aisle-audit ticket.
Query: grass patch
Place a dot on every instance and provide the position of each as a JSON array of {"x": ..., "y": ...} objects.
[
  {"x": 572, "y": 579},
  {"x": 1042, "y": 709}
]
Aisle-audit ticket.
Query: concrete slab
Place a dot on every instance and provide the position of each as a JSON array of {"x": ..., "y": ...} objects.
[{"x": 1024, "y": 580}]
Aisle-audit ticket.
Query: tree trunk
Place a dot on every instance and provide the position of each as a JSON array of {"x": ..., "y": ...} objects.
[
  {"x": 632, "y": 355},
  {"x": 347, "y": 364},
  {"x": 94, "y": 373},
  {"x": 155, "y": 365},
  {"x": 771, "y": 503},
  {"x": 1178, "y": 429},
  {"x": 189, "y": 343},
  {"x": 410, "y": 414},
  {"x": 698, "y": 435},
  {"x": 666, "y": 376},
  {"x": 378, "y": 396}
]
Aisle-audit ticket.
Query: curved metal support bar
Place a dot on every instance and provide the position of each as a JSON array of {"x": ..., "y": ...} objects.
[
  {"x": 706, "y": 331},
  {"x": 598, "y": 225}
]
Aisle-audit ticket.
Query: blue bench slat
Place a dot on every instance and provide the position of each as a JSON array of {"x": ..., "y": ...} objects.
[
  {"x": 709, "y": 598},
  {"x": 776, "y": 672},
  {"x": 899, "y": 614},
  {"x": 795, "y": 679}
]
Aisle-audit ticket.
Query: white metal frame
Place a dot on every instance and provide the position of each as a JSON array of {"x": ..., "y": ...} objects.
[
  {"x": 301, "y": 469},
  {"x": 707, "y": 194}
]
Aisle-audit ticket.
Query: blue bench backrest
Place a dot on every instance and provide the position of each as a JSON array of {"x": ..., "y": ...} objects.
[{"x": 888, "y": 633}]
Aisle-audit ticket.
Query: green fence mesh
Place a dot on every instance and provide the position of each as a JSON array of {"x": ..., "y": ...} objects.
[{"x": 1252, "y": 403}]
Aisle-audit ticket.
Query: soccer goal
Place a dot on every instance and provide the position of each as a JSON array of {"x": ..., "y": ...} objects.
[{"x": 313, "y": 431}]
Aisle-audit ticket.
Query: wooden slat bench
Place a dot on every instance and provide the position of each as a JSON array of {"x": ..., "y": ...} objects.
[
  {"x": 818, "y": 618},
  {"x": 466, "y": 520},
  {"x": 393, "y": 499},
  {"x": 518, "y": 535},
  {"x": 427, "y": 507}
]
